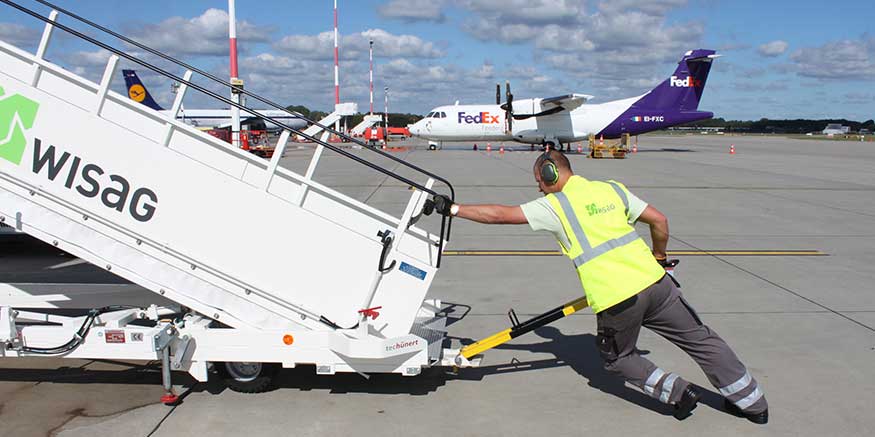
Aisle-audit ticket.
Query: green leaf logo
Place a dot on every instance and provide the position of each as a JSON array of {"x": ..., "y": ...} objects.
[{"x": 17, "y": 113}]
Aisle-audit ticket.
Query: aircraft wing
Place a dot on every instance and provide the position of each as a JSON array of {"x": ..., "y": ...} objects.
[
  {"x": 243, "y": 120},
  {"x": 567, "y": 102}
]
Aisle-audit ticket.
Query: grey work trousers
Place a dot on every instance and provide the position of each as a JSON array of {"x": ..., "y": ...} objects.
[{"x": 662, "y": 309}]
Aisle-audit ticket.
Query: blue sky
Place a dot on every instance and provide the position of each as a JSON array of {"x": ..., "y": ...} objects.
[{"x": 782, "y": 59}]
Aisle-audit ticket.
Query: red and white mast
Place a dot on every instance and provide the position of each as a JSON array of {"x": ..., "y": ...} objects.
[
  {"x": 235, "y": 80},
  {"x": 371, "y": 73},
  {"x": 336, "y": 67}
]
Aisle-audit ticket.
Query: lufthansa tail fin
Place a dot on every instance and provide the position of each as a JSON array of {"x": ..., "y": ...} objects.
[
  {"x": 683, "y": 90},
  {"x": 138, "y": 92}
]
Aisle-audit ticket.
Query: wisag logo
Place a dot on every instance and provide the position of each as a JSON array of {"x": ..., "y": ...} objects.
[
  {"x": 17, "y": 114},
  {"x": 481, "y": 118},
  {"x": 593, "y": 209},
  {"x": 687, "y": 82}
]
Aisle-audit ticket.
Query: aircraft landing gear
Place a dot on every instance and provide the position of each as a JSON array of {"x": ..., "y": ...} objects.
[{"x": 553, "y": 145}]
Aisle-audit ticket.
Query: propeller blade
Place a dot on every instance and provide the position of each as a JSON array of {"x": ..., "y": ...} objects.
[
  {"x": 509, "y": 107},
  {"x": 498, "y": 94}
]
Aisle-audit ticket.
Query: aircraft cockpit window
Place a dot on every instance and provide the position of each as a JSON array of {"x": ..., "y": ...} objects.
[
  {"x": 430, "y": 115},
  {"x": 443, "y": 115}
]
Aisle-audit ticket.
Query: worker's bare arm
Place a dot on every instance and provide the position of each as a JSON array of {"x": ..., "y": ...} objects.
[
  {"x": 493, "y": 214},
  {"x": 658, "y": 229}
]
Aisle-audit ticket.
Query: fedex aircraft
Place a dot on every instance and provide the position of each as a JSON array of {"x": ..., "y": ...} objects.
[
  {"x": 561, "y": 120},
  {"x": 208, "y": 117}
]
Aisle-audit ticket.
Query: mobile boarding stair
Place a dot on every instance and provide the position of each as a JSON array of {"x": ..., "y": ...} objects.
[
  {"x": 339, "y": 284},
  {"x": 366, "y": 123},
  {"x": 340, "y": 110}
]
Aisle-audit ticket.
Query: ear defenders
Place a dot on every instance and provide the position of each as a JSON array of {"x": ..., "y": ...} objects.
[{"x": 549, "y": 171}]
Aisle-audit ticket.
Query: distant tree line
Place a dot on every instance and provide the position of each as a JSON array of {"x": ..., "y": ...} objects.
[
  {"x": 797, "y": 126},
  {"x": 395, "y": 119}
]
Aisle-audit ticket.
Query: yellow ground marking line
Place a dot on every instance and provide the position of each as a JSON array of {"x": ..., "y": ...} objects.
[{"x": 670, "y": 253}]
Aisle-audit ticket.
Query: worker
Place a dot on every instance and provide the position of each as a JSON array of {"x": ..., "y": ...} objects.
[{"x": 626, "y": 283}]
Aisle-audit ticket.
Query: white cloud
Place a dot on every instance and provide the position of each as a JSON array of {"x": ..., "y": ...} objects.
[
  {"x": 525, "y": 11},
  {"x": 650, "y": 7},
  {"x": 355, "y": 46},
  {"x": 845, "y": 59},
  {"x": 773, "y": 49},
  {"x": 859, "y": 98},
  {"x": 619, "y": 39},
  {"x": 413, "y": 10},
  {"x": 19, "y": 35},
  {"x": 206, "y": 34}
]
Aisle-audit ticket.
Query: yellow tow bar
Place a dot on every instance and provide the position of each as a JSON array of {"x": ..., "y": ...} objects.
[{"x": 519, "y": 329}]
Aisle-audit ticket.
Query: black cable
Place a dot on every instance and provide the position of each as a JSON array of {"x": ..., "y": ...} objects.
[{"x": 78, "y": 337}]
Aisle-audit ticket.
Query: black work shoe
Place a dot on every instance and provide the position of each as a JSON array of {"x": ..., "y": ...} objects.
[
  {"x": 688, "y": 402},
  {"x": 758, "y": 418}
]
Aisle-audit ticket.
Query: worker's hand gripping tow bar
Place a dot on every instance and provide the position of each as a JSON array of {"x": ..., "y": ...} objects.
[{"x": 669, "y": 265}]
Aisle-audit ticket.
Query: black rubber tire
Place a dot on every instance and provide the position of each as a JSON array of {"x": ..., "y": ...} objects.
[{"x": 262, "y": 383}]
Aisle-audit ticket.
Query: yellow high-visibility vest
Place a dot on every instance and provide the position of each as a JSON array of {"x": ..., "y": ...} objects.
[{"x": 612, "y": 261}]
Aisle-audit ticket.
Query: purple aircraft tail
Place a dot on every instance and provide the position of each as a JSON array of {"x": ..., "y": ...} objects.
[
  {"x": 673, "y": 102},
  {"x": 683, "y": 90}
]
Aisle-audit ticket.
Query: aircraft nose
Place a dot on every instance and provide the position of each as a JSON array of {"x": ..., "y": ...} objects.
[{"x": 415, "y": 128}]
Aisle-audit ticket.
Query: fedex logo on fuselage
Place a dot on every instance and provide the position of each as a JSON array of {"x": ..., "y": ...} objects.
[
  {"x": 481, "y": 118},
  {"x": 687, "y": 82}
]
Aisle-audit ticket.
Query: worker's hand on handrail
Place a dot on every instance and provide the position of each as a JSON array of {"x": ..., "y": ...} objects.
[{"x": 440, "y": 203}]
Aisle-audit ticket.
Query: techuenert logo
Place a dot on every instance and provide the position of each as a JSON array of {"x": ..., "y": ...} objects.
[
  {"x": 481, "y": 118},
  {"x": 18, "y": 113},
  {"x": 687, "y": 82},
  {"x": 401, "y": 345}
]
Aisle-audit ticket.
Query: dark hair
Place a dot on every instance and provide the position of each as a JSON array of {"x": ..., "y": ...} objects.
[{"x": 558, "y": 157}]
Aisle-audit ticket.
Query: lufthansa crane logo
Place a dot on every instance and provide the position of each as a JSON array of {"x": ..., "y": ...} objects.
[
  {"x": 17, "y": 114},
  {"x": 137, "y": 93}
]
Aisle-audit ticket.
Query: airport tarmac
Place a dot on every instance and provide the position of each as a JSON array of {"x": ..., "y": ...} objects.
[{"x": 804, "y": 324}]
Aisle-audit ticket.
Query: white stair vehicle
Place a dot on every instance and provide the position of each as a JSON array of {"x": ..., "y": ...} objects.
[{"x": 339, "y": 284}]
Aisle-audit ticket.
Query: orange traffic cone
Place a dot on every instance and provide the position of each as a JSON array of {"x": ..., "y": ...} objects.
[
  {"x": 732, "y": 149},
  {"x": 501, "y": 150},
  {"x": 488, "y": 147},
  {"x": 602, "y": 140},
  {"x": 635, "y": 146}
]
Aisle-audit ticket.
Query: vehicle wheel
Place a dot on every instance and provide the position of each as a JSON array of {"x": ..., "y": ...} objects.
[
  {"x": 245, "y": 377},
  {"x": 432, "y": 147}
]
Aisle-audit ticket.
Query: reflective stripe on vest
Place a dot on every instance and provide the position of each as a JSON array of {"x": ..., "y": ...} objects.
[
  {"x": 589, "y": 252},
  {"x": 622, "y": 195}
]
